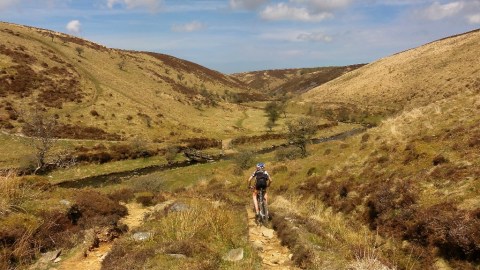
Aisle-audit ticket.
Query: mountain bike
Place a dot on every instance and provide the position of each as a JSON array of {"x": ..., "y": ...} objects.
[{"x": 262, "y": 206}]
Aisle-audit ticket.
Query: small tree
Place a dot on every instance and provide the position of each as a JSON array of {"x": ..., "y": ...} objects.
[
  {"x": 273, "y": 113},
  {"x": 300, "y": 132},
  {"x": 270, "y": 124},
  {"x": 41, "y": 128},
  {"x": 282, "y": 106},
  {"x": 171, "y": 154},
  {"x": 122, "y": 64},
  {"x": 79, "y": 50},
  {"x": 243, "y": 161}
]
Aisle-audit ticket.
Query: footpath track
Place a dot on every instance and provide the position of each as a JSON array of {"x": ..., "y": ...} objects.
[
  {"x": 94, "y": 258},
  {"x": 265, "y": 241}
]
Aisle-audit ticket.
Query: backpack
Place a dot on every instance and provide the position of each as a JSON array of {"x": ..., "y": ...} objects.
[{"x": 261, "y": 179}]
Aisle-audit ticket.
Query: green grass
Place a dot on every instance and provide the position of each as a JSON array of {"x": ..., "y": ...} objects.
[
  {"x": 239, "y": 123},
  {"x": 190, "y": 176},
  {"x": 13, "y": 151},
  {"x": 82, "y": 171}
]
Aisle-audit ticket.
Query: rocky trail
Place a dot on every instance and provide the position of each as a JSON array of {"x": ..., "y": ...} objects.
[
  {"x": 274, "y": 255},
  {"x": 94, "y": 258}
]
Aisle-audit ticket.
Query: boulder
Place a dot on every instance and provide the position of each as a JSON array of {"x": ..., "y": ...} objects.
[
  {"x": 65, "y": 202},
  {"x": 268, "y": 233},
  {"x": 179, "y": 207},
  {"x": 234, "y": 255},
  {"x": 141, "y": 236},
  {"x": 50, "y": 256}
]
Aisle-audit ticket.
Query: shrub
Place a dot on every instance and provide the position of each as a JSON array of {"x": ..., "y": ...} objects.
[
  {"x": 122, "y": 195},
  {"x": 121, "y": 151},
  {"x": 94, "y": 113},
  {"x": 439, "y": 159},
  {"x": 454, "y": 232},
  {"x": 146, "y": 183},
  {"x": 171, "y": 153},
  {"x": 288, "y": 153},
  {"x": 97, "y": 209},
  {"x": 365, "y": 138},
  {"x": 16, "y": 234},
  {"x": 311, "y": 171},
  {"x": 145, "y": 198},
  {"x": 243, "y": 161},
  {"x": 202, "y": 143},
  {"x": 279, "y": 169}
]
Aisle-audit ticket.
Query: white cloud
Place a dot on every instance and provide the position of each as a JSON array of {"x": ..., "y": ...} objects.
[
  {"x": 474, "y": 19},
  {"x": 189, "y": 27},
  {"x": 325, "y": 5},
  {"x": 247, "y": 4},
  {"x": 152, "y": 5},
  {"x": 282, "y": 11},
  {"x": 438, "y": 11},
  {"x": 296, "y": 36},
  {"x": 74, "y": 27},
  {"x": 314, "y": 37}
]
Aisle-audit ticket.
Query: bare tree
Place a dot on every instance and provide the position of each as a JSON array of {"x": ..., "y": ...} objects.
[{"x": 41, "y": 130}]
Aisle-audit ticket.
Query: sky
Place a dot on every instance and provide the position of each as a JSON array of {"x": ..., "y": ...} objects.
[{"x": 246, "y": 35}]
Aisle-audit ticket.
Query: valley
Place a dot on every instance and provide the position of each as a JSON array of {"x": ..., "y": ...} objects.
[{"x": 115, "y": 159}]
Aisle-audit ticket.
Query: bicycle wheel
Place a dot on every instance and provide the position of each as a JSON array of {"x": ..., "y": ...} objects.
[{"x": 265, "y": 211}]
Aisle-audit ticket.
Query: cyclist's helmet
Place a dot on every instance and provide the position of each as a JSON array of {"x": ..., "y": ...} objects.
[{"x": 261, "y": 165}]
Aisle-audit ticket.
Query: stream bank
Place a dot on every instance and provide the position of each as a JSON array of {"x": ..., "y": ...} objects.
[{"x": 118, "y": 177}]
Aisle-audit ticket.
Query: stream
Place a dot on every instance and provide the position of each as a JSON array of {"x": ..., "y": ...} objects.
[{"x": 118, "y": 177}]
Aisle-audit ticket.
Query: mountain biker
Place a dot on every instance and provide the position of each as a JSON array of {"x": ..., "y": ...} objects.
[{"x": 262, "y": 181}]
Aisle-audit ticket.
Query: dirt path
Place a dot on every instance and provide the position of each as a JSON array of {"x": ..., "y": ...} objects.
[
  {"x": 274, "y": 255},
  {"x": 93, "y": 261}
]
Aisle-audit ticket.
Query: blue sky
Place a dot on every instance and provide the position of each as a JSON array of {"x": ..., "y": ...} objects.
[{"x": 246, "y": 35}]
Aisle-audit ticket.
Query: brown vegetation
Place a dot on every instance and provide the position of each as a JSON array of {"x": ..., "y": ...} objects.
[
  {"x": 101, "y": 154},
  {"x": 56, "y": 85},
  {"x": 26, "y": 230},
  {"x": 296, "y": 81}
]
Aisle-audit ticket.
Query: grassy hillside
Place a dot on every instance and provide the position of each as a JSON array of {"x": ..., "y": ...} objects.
[
  {"x": 100, "y": 97},
  {"x": 401, "y": 195},
  {"x": 98, "y": 92},
  {"x": 412, "y": 181},
  {"x": 296, "y": 81},
  {"x": 405, "y": 80}
]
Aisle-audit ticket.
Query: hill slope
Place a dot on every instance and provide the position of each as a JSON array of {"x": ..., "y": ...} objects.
[
  {"x": 406, "y": 80},
  {"x": 294, "y": 81},
  {"x": 122, "y": 93}
]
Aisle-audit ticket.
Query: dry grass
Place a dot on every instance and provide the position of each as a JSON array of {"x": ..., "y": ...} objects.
[
  {"x": 202, "y": 232},
  {"x": 398, "y": 179},
  {"x": 14, "y": 191},
  {"x": 333, "y": 242},
  {"x": 146, "y": 99},
  {"x": 406, "y": 80},
  {"x": 287, "y": 81}
]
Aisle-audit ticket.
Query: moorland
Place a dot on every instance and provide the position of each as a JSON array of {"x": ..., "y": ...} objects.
[{"x": 116, "y": 159}]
